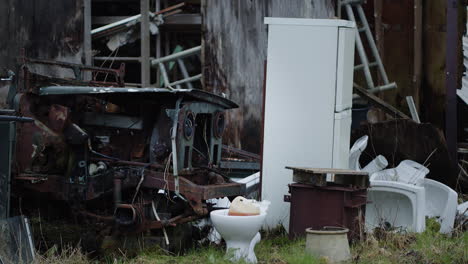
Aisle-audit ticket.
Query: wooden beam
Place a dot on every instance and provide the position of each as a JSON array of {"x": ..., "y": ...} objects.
[
  {"x": 451, "y": 75},
  {"x": 379, "y": 103},
  {"x": 379, "y": 30},
  {"x": 418, "y": 49}
]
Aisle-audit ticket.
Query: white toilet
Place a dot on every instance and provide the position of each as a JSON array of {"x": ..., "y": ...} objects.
[{"x": 240, "y": 233}]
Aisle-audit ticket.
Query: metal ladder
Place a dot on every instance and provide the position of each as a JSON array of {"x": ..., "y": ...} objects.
[
  {"x": 365, "y": 65},
  {"x": 177, "y": 57}
]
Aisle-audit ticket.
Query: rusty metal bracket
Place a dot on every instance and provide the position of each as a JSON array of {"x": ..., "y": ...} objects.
[
  {"x": 174, "y": 145},
  {"x": 78, "y": 70}
]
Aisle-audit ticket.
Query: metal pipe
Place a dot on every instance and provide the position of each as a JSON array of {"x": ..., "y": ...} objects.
[
  {"x": 16, "y": 119},
  {"x": 130, "y": 19},
  {"x": 372, "y": 45},
  {"x": 175, "y": 56},
  {"x": 190, "y": 79},
  {"x": 115, "y": 24},
  {"x": 137, "y": 59},
  {"x": 184, "y": 72},
  {"x": 131, "y": 163},
  {"x": 162, "y": 69},
  {"x": 412, "y": 108},
  {"x": 346, "y": 2},
  {"x": 383, "y": 88},
  {"x": 360, "y": 48},
  {"x": 360, "y": 66},
  {"x": 7, "y": 111}
]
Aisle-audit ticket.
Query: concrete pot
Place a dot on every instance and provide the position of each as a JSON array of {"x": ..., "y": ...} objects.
[{"x": 329, "y": 242}]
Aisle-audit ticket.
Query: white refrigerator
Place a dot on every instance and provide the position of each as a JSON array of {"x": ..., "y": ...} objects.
[{"x": 308, "y": 100}]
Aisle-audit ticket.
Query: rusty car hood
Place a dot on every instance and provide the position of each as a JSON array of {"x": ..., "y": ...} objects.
[{"x": 187, "y": 93}]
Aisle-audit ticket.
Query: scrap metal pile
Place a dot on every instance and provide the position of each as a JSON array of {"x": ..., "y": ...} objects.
[{"x": 139, "y": 158}]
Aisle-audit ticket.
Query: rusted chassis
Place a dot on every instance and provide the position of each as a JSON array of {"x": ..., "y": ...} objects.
[
  {"x": 54, "y": 153},
  {"x": 106, "y": 184}
]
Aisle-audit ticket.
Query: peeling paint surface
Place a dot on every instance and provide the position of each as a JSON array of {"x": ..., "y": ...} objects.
[
  {"x": 46, "y": 29},
  {"x": 234, "y": 56}
]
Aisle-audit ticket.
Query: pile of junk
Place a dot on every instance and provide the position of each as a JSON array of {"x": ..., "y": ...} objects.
[
  {"x": 402, "y": 197},
  {"x": 130, "y": 161}
]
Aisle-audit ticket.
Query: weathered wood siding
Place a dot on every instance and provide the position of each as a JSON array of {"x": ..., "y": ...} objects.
[
  {"x": 46, "y": 29},
  {"x": 397, "y": 51},
  {"x": 234, "y": 39}
]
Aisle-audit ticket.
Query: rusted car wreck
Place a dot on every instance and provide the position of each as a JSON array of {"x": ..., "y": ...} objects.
[{"x": 151, "y": 154}]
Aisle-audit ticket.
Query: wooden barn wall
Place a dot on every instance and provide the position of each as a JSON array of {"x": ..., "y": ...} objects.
[
  {"x": 433, "y": 94},
  {"x": 46, "y": 29},
  {"x": 396, "y": 46},
  {"x": 434, "y": 88},
  {"x": 234, "y": 39},
  {"x": 398, "y": 32}
]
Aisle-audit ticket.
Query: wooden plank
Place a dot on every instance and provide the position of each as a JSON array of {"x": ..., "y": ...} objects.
[
  {"x": 379, "y": 30},
  {"x": 327, "y": 171},
  {"x": 397, "y": 16},
  {"x": 318, "y": 176},
  {"x": 389, "y": 109}
]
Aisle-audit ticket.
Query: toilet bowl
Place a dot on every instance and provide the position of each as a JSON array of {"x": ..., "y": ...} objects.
[{"x": 240, "y": 233}]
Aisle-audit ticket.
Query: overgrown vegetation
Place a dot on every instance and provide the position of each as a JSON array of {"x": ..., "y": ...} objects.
[
  {"x": 383, "y": 247},
  {"x": 427, "y": 247}
]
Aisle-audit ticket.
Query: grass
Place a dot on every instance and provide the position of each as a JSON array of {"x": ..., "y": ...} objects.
[
  {"x": 382, "y": 247},
  {"x": 271, "y": 250},
  {"x": 427, "y": 247}
]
